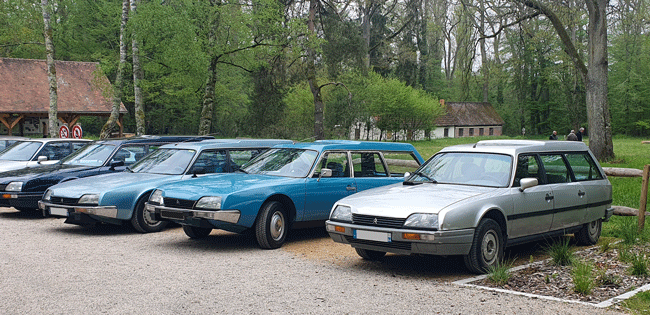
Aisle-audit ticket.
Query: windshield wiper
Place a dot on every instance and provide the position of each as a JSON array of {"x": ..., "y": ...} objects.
[
  {"x": 129, "y": 169},
  {"x": 431, "y": 180},
  {"x": 240, "y": 170}
]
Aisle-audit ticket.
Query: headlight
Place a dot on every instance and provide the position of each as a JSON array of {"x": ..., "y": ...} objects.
[
  {"x": 48, "y": 195},
  {"x": 341, "y": 213},
  {"x": 91, "y": 199},
  {"x": 212, "y": 203},
  {"x": 156, "y": 197},
  {"x": 422, "y": 221},
  {"x": 14, "y": 186}
]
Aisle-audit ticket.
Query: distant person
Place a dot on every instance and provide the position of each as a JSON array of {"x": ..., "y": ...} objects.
[
  {"x": 572, "y": 136},
  {"x": 553, "y": 136},
  {"x": 580, "y": 132}
]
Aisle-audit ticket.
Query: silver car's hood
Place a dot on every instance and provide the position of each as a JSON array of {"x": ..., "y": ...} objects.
[{"x": 399, "y": 201}]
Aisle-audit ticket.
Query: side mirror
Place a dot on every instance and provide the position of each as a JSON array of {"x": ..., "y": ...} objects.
[
  {"x": 115, "y": 164},
  {"x": 41, "y": 158},
  {"x": 407, "y": 174},
  {"x": 325, "y": 172},
  {"x": 527, "y": 183},
  {"x": 198, "y": 171}
]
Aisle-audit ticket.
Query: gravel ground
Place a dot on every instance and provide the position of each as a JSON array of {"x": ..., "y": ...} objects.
[{"x": 47, "y": 267}]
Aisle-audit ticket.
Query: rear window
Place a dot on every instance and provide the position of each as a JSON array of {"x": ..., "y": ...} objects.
[{"x": 584, "y": 167}]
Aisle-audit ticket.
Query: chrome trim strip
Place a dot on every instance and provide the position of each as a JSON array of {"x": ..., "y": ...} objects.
[{"x": 229, "y": 216}]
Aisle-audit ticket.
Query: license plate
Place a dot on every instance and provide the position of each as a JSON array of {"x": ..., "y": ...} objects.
[
  {"x": 372, "y": 236},
  {"x": 59, "y": 211}
]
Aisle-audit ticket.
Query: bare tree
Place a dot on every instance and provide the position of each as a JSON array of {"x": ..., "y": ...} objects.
[
  {"x": 51, "y": 70},
  {"x": 137, "y": 78},
  {"x": 117, "y": 87}
]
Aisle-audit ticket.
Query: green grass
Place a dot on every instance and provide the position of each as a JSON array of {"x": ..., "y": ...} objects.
[
  {"x": 583, "y": 279},
  {"x": 560, "y": 252},
  {"x": 638, "y": 304},
  {"x": 500, "y": 274}
]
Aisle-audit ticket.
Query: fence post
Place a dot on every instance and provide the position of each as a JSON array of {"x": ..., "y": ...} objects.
[{"x": 644, "y": 197}]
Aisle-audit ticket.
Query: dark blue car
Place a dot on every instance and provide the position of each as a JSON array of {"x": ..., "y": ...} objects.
[{"x": 22, "y": 189}]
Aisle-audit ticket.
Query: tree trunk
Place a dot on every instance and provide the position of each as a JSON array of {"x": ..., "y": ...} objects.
[
  {"x": 51, "y": 71},
  {"x": 117, "y": 87},
  {"x": 319, "y": 131},
  {"x": 137, "y": 77},
  {"x": 205, "y": 124},
  {"x": 600, "y": 128}
]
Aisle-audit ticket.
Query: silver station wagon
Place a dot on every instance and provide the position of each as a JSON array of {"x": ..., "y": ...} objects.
[{"x": 474, "y": 200}]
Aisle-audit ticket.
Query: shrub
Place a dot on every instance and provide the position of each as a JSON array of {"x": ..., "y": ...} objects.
[
  {"x": 500, "y": 273},
  {"x": 583, "y": 279},
  {"x": 560, "y": 252}
]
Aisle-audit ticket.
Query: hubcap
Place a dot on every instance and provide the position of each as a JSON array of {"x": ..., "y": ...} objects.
[
  {"x": 277, "y": 225},
  {"x": 490, "y": 247},
  {"x": 593, "y": 228}
]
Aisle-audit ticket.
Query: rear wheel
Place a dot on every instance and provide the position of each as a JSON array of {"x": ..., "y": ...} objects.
[
  {"x": 196, "y": 232},
  {"x": 271, "y": 226},
  {"x": 589, "y": 233},
  {"x": 370, "y": 254},
  {"x": 487, "y": 247},
  {"x": 142, "y": 220}
]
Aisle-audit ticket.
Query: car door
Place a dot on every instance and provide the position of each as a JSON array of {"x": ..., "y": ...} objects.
[
  {"x": 370, "y": 170},
  {"x": 598, "y": 193},
  {"x": 532, "y": 211},
  {"x": 569, "y": 196},
  {"x": 322, "y": 192}
]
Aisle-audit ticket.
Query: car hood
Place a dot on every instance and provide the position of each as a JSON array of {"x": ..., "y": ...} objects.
[
  {"x": 12, "y": 165},
  {"x": 43, "y": 170},
  {"x": 107, "y": 182},
  {"x": 400, "y": 201},
  {"x": 220, "y": 185}
]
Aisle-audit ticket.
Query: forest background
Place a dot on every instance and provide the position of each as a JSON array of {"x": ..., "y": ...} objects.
[{"x": 259, "y": 68}]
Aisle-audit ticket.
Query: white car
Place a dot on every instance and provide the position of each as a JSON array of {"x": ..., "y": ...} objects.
[
  {"x": 34, "y": 152},
  {"x": 474, "y": 200}
]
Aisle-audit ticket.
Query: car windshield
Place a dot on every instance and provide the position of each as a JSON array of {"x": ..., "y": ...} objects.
[
  {"x": 21, "y": 151},
  {"x": 90, "y": 155},
  {"x": 165, "y": 161},
  {"x": 480, "y": 169},
  {"x": 282, "y": 162}
]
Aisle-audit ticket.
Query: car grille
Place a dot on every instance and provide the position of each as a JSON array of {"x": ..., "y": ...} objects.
[
  {"x": 395, "y": 245},
  {"x": 381, "y": 221},
  {"x": 172, "y": 214},
  {"x": 179, "y": 203},
  {"x": 64, "y": 201},
  {"x": 3, "y": 187}
]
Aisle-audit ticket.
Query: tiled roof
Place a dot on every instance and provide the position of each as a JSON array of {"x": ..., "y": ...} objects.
[
  {"x": 82, "y": 87},
  {"x": 469, "y": 114}
]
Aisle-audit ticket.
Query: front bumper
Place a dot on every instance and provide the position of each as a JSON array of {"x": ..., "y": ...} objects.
[
  {"x": 162, "y": 213},
  {"x": 20, "y": 199},
  {"x": 455, "y": 242},
  {"x": 57, "y": 210}
]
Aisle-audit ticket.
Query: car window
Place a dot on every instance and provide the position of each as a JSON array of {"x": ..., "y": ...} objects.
[
  {"x": 335, "y": 161},
  {"x": 282, "y": 162},
  {"x": 54, "y": 150},
  {"x": 368, "y": 164},
  {"x": 555, "y": 168},
  {"x": 527, "y": 167},
  {"x": 165, "y": 161},
  {"x": 22, "y": 151},
  {"x": 400, "y": 163},
  {"x": 240, "y": 157},
  {"x": 209, "y": 162},
  {"x": 78, "y": 145},
  {"x": 583, "y": 166},
  {"x": 91, "y": 155},
  {"x": 464, "y": 168},
  {"x": 129, "y": 154}
]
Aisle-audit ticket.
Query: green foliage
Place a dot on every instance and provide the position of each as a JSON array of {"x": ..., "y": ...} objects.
[
  {"x": 499, "y": 274},
  {"x": 561, "y": 253},
  {"x": 583, "y": 279},
  {"x": 639, "y": 265},
  {"x": 639, "y": 303}
]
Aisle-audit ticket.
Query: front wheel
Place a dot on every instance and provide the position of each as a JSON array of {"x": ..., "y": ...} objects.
[
  {"x": 271, "y": 226},
  {"x": 142, "y": 220},
  {"x": 370, "y": 254},
  {"x": 196, "y": 232},
  {"x": 589, "y": 233},
  {"x": 487, "y": 247}
]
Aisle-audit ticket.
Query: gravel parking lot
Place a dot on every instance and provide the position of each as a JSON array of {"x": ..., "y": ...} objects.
[{"x": 48, "y": 267}]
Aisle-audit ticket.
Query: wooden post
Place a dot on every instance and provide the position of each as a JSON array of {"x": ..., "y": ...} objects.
[{"x": 644, "y": 197}]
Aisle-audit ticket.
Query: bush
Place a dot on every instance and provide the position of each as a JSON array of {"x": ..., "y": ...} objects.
[{"x": 560, "y": 252}]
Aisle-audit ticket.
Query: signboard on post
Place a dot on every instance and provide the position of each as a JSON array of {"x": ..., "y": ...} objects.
[
  {"x": 77, "y": 133},
  {"x": 64, "y": 132}
]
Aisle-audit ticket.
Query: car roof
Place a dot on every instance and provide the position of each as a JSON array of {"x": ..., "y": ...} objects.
[
  {"x": 153, "y": 139},
  {"x": 13, "y": 138},
  {"x": 226, "y": 143},
  {"x": 45, "y": 140},
  {"x": 514, "y": 147},
  {"x": 322, "y": 145}
]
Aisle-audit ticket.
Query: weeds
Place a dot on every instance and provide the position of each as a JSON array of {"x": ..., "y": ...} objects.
[
  {"x": 583, "y": 279},
  {"x": 500, "y": 274},
  {"x": 560, "y": 252},
  {"x": 639, "y": 265}
]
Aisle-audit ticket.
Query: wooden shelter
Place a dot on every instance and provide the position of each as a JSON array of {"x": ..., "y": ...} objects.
[{"x": 82, "y": 89}]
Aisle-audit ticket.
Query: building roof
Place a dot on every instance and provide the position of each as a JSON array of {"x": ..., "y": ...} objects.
[
  {"x": 82, "y": 87},
  {"x": 469, "y": 114}
]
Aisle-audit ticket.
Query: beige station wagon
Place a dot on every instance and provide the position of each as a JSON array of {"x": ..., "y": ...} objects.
[{"x": 474, "y": 200}]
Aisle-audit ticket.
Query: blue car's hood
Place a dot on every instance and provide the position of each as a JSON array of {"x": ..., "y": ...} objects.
[
  {"x": 107, "y": 182},
  {"x": 220, "y": 185}
]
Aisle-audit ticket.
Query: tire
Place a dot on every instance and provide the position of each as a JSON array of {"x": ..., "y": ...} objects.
[
  {"x": 370, "y": 254},
  {"x": 196, "y": 232},
  {"x": 589, "y": 233},
  {"x": 272, "y": 225},
  {"x": 487, "y": 247},
  {"x": 142, "y": 221}
]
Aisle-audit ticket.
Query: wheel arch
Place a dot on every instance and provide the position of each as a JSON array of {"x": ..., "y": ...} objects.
[
  {"x": 287, "y": 202},
  {"x": 498, "y": 216}
]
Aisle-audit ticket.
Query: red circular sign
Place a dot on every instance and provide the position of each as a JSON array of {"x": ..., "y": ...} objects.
[
  {"x": 77, "y": 133},
  {"x": 64, "y": 132}
]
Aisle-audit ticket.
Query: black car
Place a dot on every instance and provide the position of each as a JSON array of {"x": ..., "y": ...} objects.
[{"x": 22, "y": 189}]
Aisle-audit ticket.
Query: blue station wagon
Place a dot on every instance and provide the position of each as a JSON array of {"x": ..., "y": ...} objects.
[
  {"x": 287, "y": 187},
  {"x": 121, "y": 196}
]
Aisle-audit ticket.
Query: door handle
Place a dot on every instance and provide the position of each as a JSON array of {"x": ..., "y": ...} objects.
[
  {"x": 351, "y": 188},
  {"x": 581, "y": 193},
  {"x": 549, "y": 198}
]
